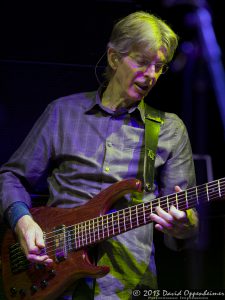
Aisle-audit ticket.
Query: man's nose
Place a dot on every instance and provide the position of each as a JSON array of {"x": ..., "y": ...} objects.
[{"x": 150, "y": 71}]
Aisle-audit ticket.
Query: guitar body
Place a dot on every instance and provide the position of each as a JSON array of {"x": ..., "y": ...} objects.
[{"x": 38, "y": 282}]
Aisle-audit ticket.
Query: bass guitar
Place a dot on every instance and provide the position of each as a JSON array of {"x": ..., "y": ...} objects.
[{"x": 68, "y": 233}]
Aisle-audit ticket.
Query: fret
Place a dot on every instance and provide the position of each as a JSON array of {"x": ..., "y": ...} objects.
[
  {"x": 167, "y": 203},
  {"x": 186, "y": 200},
  {"x": 191, "y": 196},
  {"x": 151, "y": 206},
  {"x": 124, "y": 220},
  {"x": 78, "y": 235},
  {"x": 89, "y": 230},
  {"x": 82, "y": 233},
  {"x": 75, "y": 237},
  {"x": 131, "y": 225},
  {"x": 68, "y": 246},
  {"x": 121, "y": 220},
  {"x": 137, "y": 215},
  {"x": 118, "y": 221},
  {"x": 112, "y": 231},
  {"x": 143, "y": 208},
  {"x": 213, "y": 191},
  {"x": 176, "y": 200},
  {"x": 85, "y": 232},
  {"x": 170, "y": 201},
  {"x": 98, "y": 229},
  {"x": 158, "y": 202},
  {"x": 222, "y": 187},
  {"x": 102, "y": 227},
  {"x": 207, "y": 192},
  {"x": 78, "y": 232},
  {"x": 107, "y": 222},
  {"x": 113, "y": 224},
  {"x": 95, "y": 228},
  {"x": 219, "y": 188},
  {"x": 196, "y": 193}
]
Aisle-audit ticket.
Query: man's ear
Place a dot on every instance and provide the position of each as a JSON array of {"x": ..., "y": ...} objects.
[{"x": 113, "y": 58}]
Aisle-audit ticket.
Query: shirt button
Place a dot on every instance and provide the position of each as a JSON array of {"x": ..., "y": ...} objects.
[{"x": 107, "y": 169}]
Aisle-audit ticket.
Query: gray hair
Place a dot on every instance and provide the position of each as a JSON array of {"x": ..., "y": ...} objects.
[{"x": 142, "y": 30}]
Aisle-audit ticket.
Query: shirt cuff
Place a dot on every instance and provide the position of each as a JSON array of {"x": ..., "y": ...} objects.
[{"x": 15, "y": 212}]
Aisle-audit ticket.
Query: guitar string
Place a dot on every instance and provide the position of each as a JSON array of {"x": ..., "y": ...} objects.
[
  {"x": 164, "y": 199},
  {"x": 82, "y": 243},
  {"x": 113, "y": 224},
  {"x": 130, "y": 212},
  {"x": 84, "y": 233},
  {"x": 161, "y": 199},
  {"x": 85, "y": 230},
  {"x": 176, "y": 197}
]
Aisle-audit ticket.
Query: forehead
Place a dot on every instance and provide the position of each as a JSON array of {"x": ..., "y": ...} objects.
[{"x": 149, "y": 54}]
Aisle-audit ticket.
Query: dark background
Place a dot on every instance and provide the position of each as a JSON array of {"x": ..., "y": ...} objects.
[{"x": 50, "y": 49}]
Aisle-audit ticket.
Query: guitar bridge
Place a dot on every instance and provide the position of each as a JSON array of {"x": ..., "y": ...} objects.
[{"x": 60, "y": 245}]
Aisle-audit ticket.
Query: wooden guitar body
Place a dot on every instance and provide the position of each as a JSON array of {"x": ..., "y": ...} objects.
[{"x": 38, "y": 282}]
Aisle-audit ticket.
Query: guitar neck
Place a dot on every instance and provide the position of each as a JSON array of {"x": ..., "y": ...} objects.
[{"x": 98, "y": 229}]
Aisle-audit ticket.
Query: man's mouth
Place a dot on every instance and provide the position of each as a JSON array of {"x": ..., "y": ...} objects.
[{"x": 141, "y": 87}]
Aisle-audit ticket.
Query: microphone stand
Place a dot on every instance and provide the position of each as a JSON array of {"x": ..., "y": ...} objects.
[
  {"x": 212, "y": 55},
  {"x": 202, "y": 19}
]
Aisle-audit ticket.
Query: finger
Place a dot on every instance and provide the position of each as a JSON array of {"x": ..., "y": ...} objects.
[
  {"x": 31, "y": 245},
  {"x": 39, "y": 239},
  {"x": 40, "y": 259},
  {"x": 177, "y": 215},
  {"x": 177, "y": 189},
  {"x": 160, "y": 228},
  {"x": 48, "y": 262},
  {"x": 163, "y": 214},
  {"x": 37, "y": 258},
  {"x": 159, "y": 220}
]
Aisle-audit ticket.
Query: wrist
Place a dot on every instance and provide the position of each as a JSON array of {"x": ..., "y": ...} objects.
[{"x": 15, "y": 212}]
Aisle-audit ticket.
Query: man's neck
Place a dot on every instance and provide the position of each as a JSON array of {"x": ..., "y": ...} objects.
[{"x": 114, "y": 99}]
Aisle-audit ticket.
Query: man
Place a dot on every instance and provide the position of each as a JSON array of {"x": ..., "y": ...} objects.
[{"x": 92, "y": 140}]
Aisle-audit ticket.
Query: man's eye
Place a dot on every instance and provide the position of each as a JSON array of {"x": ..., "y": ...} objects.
[
  {"x": 158, "y": 67},
  {"x": 142, "y": 63}
]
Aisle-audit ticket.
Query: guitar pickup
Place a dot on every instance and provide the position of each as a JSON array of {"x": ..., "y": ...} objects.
[
  {"x": 18, "y": 261},
  {"x": 60, "y": 244}
]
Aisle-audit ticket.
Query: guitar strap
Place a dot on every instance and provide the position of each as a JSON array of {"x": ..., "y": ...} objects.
[{"x": 154, "y": 118}]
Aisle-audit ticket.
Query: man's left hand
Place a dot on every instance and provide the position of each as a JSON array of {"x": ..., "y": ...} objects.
[{"x": 177, "y": 223}]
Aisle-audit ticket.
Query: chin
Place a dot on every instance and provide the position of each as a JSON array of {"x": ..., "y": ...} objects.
[{"x": 137, "y": 97}]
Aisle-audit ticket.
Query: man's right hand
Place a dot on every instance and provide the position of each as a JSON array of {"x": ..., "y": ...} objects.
[{"x": 31, "y": 240}]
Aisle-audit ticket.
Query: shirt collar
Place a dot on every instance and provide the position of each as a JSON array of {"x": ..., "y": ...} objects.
[{"x": 96, "y": 104}]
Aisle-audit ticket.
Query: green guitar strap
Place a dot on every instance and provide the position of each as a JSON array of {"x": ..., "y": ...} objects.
[{"x": 154, "y": 118}]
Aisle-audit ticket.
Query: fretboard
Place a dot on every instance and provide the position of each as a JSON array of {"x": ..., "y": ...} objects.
[{"x": 103, "y": 227}]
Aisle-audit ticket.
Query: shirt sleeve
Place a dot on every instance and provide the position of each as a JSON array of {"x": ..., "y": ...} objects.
[
  {"x": 15, "y": 212},
  {"x": 28, "y": 163},
  {"x": 178, "y": 170},
  {"x": 179, "y": 166}
]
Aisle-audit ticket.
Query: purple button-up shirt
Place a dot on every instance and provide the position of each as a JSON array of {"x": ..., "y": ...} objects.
[{"x": 82, "y": 148}]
